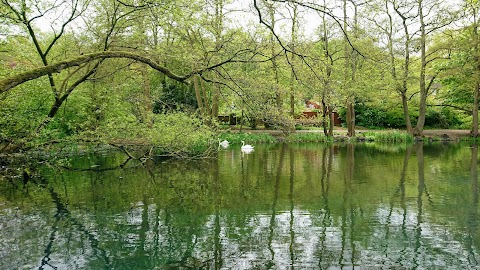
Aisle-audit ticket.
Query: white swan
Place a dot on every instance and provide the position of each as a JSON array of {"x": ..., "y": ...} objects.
[
  {"x": 223, "y": 143},
  {"x": 246, "y": 146}
]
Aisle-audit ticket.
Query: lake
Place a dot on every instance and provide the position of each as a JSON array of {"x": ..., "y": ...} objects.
[{"x": 283, "y": 206}]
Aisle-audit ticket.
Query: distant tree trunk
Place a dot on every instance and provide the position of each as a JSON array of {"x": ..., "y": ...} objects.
[
  {"x": 332, "y": 122},
  {"x": 198, "y": 94},
  {"x": 474, "y": 131},
  {"x": 351, "y": 118},
  {"x": 215, "y": 101},
  {"x": 147, "y": 97}
]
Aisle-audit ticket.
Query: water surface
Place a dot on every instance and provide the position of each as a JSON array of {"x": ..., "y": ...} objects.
[{"x": 304, "y": 206}]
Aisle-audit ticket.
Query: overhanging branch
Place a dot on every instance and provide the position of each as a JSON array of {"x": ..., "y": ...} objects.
[{"x": 15, "y": 80}]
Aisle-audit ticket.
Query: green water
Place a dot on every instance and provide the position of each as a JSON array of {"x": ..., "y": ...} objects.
[{"x": 303, "y": 206}]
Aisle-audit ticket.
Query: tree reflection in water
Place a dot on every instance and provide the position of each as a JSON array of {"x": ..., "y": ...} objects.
[{"x": 295, "y": 206}]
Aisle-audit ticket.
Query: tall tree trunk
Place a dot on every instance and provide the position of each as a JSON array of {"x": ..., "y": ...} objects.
[
  {"x": 273, "y": 42},
  {"x": 326, "y": 107},
  {"x": 423, "y": 89},
  {"x": 476, "y": 95},
  {"x": 346, "y": 76},
  {"x": 349, "y": 77},
  {"x": 292, "y": 74},
  {"x": 401, "y": 85},
  {"x": 406, "y": 113},
  {"x": 325, "y": 116}
]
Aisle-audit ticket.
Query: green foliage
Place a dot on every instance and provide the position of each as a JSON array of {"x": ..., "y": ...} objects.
[
  {"x": 180, "y": 134},
  {"x": 370, "y": 116},
  {"x": 442, "y": 118},
  {"x": 395, "y": 119},
  {"x": 377, "y": 116},
  {"x": 388, "y": 136},
  {"x": 115, "y": 103},
  {"x": 466, "y": 122},
  {"x": 174, "y": 96},
  {"x": 176, "y": 134},
  {"x": 307, "y": 137},
  {"x": 22, "y": 110}
]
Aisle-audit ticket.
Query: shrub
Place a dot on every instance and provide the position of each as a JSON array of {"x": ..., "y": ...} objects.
[
  {"x": 180, "y": 134},
  {"x": 370, "y": 117},
  {"x": 307, "y": 137},
  {"x": 377, "y": 117},
  {"x": 388, "y": 136},
  {"x": 442, "y": 118}
]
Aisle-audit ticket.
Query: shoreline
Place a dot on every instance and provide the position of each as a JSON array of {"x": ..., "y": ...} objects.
[{"x": 429, "y": 134}]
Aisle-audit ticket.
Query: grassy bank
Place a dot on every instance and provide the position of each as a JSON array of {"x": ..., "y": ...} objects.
[{"x": 394, "y": 136}]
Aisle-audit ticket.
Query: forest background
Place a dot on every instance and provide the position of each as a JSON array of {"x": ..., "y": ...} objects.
[{"x": 160, "y": 72}]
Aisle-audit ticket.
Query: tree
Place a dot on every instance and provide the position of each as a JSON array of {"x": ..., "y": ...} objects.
[
  {"x": 433, "y": 16},
  {"x": 328, "y": 60},
  {"x": 21, "y": 14},
  {"x": 399, "y": 40},
  {"x": 473, "y": 8},
  {"x": 460, "y": 79}
]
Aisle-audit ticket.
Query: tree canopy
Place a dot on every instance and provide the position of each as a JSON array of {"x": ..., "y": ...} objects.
[{"x": 73, "y": 67}]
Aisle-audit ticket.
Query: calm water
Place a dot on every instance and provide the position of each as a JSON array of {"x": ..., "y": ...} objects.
[{"x": 302, "y": 206}]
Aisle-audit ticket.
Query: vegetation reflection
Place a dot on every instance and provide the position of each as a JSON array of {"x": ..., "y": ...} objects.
[{"x": 302, "y": 205}]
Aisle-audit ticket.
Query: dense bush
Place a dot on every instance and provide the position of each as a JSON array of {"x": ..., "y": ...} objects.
[
  {"x": 370, "y": 116},
  {"x": 176, "y": 133},
  {"x": 174, "y": 96},
  {"x": 377, "y": 117},
  {"x": 388, "y": 136},
  {"x": 442, "y": 118}
]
